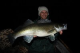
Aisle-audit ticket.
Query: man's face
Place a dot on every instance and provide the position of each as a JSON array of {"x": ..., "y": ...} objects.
[{"x": 44, "y": 14}]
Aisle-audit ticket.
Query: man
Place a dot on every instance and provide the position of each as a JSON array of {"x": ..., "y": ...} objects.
[{"x": 41, "y": 44}]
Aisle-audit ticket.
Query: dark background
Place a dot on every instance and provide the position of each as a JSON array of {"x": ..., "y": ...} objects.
[
  {"x": 16, "y": 14},
  {"x": 12, "y": 17}
]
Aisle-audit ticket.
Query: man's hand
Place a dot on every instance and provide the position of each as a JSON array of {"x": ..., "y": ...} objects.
[
  {"x": 61, "y": 32},
  {"x": 35, "y": 36}
]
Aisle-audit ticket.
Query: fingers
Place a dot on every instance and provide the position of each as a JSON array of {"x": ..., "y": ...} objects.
[
  {"x": 34, "y": 36},
  {"x": 61, "y": 32}
]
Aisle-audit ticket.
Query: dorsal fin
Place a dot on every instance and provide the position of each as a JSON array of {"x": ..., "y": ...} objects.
[{"x": 28, "y": 22}]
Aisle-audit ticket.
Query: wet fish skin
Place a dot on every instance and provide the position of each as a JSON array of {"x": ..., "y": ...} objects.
[{"x": 40, "y": 30}]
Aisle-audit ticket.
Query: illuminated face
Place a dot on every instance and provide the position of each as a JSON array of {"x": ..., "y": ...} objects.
[{"x": 43, "y": 14}]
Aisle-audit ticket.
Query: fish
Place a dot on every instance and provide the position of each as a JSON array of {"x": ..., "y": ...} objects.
[{"x": 39, "y": 29}]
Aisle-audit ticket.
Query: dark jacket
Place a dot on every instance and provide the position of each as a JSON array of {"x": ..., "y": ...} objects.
[{"x": 40, "y": 45}]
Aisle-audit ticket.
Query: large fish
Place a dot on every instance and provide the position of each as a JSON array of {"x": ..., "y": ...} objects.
[{"x": 38, "y": 29}]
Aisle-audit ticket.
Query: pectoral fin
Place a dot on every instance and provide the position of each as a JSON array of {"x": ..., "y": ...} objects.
[
  {"x": 52, "y": 37},
  {"x": 28, "y": 38}
]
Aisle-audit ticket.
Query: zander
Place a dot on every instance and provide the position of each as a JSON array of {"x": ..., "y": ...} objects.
[{"x": 38, "y": 29}]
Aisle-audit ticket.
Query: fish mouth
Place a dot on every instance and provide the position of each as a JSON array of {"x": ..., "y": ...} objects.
[{"x": 65, "y": 26}]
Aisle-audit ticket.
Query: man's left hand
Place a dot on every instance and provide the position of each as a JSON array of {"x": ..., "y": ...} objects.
[{"x": 61, "y": 32}]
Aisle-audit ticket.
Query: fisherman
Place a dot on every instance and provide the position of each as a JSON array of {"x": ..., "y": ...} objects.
[{"x": 41, "y": 44}]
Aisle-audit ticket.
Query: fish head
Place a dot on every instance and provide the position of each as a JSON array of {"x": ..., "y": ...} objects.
[{"x": 60, "y": 27}]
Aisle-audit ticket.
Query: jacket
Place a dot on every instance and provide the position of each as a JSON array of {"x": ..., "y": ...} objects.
[{"x": 40, "y": 45}]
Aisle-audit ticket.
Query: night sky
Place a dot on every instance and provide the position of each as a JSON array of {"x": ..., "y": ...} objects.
[{"x": 16, "y": 15}]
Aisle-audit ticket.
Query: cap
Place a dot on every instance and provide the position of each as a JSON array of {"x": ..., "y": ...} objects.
[{"x": 42, "y": 8}]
